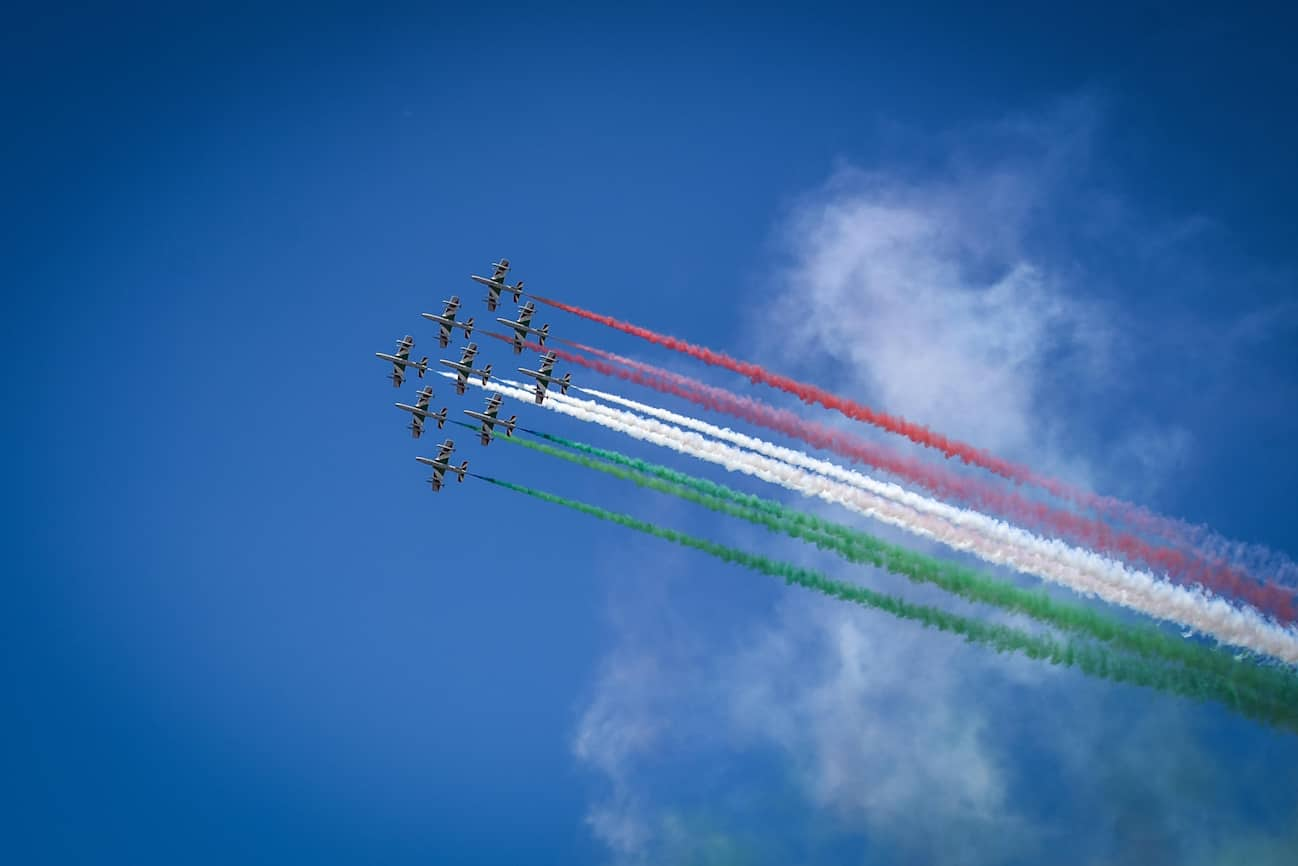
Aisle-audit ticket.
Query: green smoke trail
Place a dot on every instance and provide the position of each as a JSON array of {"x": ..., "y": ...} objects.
[
  {"x": 1089, "y": 659},
  {"x": 1260, "y": 684}
]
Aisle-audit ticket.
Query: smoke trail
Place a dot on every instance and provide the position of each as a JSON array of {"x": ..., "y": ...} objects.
[
  {"x": 918, "y": 433},
  {"x": 1215, "y": 550},
  {"x": 941, "y": 481},
  {"x": 960, "y": 516},
  {"x": 1083, "y": 571},
  {"x": 1266, "y": 684},
  {"x": 860, "y": 547},
  {"x": 1091, "y": 660},
  {"x": 1216, "y": 561}
]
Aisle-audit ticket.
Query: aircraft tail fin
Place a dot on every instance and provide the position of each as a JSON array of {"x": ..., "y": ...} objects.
[
  {"x": 509, "y": 425},
  {"x": 542, "y": 332},
  {"x": 441, "y": 418},
  {"x": 564, "y": 383},
  {"x": 468, "y": 327},
  {"x": 486, "y": 373}
]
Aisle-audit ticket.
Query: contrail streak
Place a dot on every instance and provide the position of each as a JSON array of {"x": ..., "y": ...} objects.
[
  {"x": 961, "y": 516},
  {"x": 1135, "y": 515},
  {"x": 941, "y": 481},
  {"x": 1092, "y": 660},
  {"x": 1260, "y": 687},
  {"x": 1080, "y": 570}
]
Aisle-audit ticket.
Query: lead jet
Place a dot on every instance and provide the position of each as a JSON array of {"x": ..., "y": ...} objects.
[
  {"x": 489, "y": 420},
  {"x": 446, "y": 321},
  {"x": 420, "y": 412},
  {"x": 441, "y": 465},
  {"x": 523, "y": 327},
  {"x": 464, "y": 369},
  {"x": 401, "y": 360},
  {"x": 545, "y": 377},
  {"x": 496, "y": 283}
]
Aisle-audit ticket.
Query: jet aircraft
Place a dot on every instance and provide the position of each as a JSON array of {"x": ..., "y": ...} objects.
[
  {"x": 545, "y": 376},
  {"x": 446, "y": 321},
  {"x": 489, "y": 419},
  {"x": 401, "y": 360},
  {"x": 441, "y": 465},
  {"x": 523, "y": 327},
  {"x": 419, "y": 411},
  {"x": 464, "y": 369},
  {"x": 496, "y": 284}
]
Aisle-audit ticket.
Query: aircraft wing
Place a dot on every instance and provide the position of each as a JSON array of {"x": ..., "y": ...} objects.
[
  {"x": 525, "y": 314},
  {"x": 444, "y": 334},
  {"x": 501, "y": 270},
  {"x": 540, "y": 391},
  {"x": 416, "y": 425},
  {"x": 444, "y": 451},
  {"x": 436, "y": 480},
  {"x": 547, "y": 365},
  {"x": 398, "y": 374}
]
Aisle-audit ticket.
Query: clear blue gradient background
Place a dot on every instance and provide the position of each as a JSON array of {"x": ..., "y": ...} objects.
[{"x": 240, "y": 628}]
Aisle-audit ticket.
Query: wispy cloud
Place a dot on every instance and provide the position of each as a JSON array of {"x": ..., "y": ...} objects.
[
  {"x": 954, "y": 296},
  {"x": 881, "y": 723}
]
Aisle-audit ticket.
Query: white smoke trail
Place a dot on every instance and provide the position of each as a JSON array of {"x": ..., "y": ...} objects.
[
  {"x": 1048, "y": 559},
  {"x": 979, "y": 521},
  {"x": 1210, "y": 547}
]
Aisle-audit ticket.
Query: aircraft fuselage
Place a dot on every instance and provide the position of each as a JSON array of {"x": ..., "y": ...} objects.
[
  {"x": 462, "y": 369},
  {"x": 415, "y": 410},
  {"x": 402, "y": 362},
  {"x": 520, "y": 328}
]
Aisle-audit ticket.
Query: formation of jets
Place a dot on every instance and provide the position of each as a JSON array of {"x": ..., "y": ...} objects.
[
  {"x": 545, "y": 377},
  {"x": 401, "y": 360},
  {"x": 523, "y": 327},
  {"x": 496, "y": 284},
  {"x": 464, "y": 368},
  {"x": 420, "y": 412},
  {"x": 446, "y": 321},
  {"x": 489, "y": 419},
  {"x": 442, "y": 464}
]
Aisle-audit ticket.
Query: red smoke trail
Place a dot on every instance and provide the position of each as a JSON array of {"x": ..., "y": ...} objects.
[
  {"x": 940, "y": 481},
  {"x": 918, "y": 433}
]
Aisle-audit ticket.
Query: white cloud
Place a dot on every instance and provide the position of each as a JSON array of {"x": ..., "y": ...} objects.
[
  {"x": 921, "y": 297},
  {"x": 920, "y": 303},
  {"x": 900, "y": 294},
  {"x": 880, "y": 721}
]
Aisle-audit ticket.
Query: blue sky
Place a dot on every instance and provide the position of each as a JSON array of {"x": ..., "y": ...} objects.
[{"x": 245, "y": 630}]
